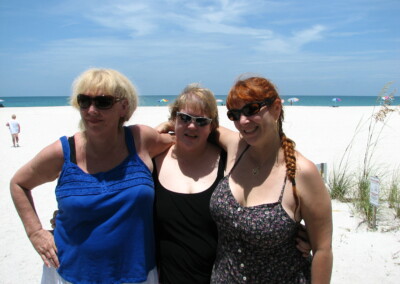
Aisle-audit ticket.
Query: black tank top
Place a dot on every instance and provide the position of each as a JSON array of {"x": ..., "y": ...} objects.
[{"x": 186, "y": 235}]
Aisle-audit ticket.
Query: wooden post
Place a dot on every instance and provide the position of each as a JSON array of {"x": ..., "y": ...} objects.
[
  {"x": 374, "y": 188},
  {"x": 374, "y": 218}
]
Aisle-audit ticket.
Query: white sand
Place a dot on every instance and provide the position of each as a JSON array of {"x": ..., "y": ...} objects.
[{"x": 321, "y": 133}]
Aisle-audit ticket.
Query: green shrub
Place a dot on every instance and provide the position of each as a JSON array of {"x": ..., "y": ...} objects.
[
  {"x": 340, "y": 183},
  {"x": 394, "y": 194},
  {"x": 361, "y": 202}
]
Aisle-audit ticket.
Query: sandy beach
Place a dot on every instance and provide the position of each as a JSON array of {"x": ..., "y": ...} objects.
[{"x": 322, "y": 134}]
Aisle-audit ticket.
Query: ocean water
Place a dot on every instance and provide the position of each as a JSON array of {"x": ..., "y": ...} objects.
[{"x": 166, "y": 100}]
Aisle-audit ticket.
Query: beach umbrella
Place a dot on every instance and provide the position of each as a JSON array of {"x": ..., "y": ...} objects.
[
  {"x": 163, "y": 101},
  {"x": 219, "y": 101},
  {"x": 335, "y": 100},
  {"x": 385, "y": 98},
  {"x": 293, "y": 100}
]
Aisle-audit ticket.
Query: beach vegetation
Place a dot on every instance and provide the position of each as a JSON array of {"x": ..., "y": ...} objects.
[
  {"x": 341, "y": 180},
  {"x": 340, "y": 183},
  {"x": 369, "y": 168},
  {"x": 362, "y": 200},
  {"x": 394, "y": 193}
]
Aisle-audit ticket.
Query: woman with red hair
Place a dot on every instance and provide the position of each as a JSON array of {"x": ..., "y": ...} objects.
[{"x": 269, "y": 189}]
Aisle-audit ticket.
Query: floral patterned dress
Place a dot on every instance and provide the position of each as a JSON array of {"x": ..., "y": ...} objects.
[{"x": 255, "y": 244}]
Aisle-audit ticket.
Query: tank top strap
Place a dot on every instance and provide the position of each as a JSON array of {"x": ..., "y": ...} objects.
[
  {"x": 129, "y": 140},
  {"x": 155, "y": 171},
  {"x": 283, "y": 190},
  {"x": 222, "y": 164},
  {"x": 238, "y": 160},
  {"x": 71, "y": 142},
  {"x": 65, "y": 147}
]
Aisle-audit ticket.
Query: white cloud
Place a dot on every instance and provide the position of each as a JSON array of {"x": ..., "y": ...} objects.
[
  {"x": 309, "y": 35},
  {"x": 294, "y": 43},
  {"x": 151, "y": 17}
]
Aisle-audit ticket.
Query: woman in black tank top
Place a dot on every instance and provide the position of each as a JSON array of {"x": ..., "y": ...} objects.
[{"x": 185, "y": 176}]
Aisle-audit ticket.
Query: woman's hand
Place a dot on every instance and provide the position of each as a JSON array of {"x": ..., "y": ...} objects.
[
  {"x": 53, "y": 220},
  {"x": 43, "y": 242},
  {"x": 302, "y": 241},
  {"x": 165, "y": 127}
]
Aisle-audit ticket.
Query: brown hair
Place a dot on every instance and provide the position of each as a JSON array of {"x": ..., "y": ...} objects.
[
  {"x": 199, "y": 98},
  {"x": 259, "y": 89}
]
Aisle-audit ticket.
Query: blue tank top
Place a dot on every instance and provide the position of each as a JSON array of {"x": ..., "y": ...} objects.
[{"x": 104, "y": 230}]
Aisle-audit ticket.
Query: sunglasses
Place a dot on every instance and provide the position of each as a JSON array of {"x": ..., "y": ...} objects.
[
  {"x": 200, "y": 121},
  {"x": 100, "y": 102},
  {"x": 249, "y": 109}
]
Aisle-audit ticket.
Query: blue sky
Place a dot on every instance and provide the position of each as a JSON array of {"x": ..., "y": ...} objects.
[{"x": 341, "y": 47}]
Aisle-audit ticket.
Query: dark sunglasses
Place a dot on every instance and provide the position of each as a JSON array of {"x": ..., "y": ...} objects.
[
  {"x": 100, "y": 102},
  {"x": 200, "y": 121},
  {"x": 249, "y": 109}
]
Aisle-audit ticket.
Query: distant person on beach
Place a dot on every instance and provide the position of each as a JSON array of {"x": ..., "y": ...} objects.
[
  {"x": 15, "y": 129},
  {"x": 105, "y": 190},
  {"x": 269, "y": 189}
]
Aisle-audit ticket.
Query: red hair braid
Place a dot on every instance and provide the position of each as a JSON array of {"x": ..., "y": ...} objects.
[{"x": 288, "y": 146}]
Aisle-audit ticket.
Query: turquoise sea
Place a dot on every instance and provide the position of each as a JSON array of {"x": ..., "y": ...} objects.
[{"x": 159, "y": 101}]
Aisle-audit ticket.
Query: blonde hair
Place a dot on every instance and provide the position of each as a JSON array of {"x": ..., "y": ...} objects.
[{"x": 109, "y": 82}]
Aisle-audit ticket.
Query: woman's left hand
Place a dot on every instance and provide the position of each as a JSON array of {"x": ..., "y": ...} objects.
[{"x": 302, "y": 241}]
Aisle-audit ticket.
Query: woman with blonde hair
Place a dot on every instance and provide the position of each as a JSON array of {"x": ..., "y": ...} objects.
[{"x": 104, "y": 191}]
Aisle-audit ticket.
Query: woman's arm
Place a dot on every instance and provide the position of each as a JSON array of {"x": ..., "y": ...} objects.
[
  {"x": 44, "y": 167},
  {"x": 226, "y": 138},
  {"x": 149, "y": 143},
  {"x": 222, "y": 136},
  {"x": 316, "y": 210},
  {"x": 165, "y": 127}
]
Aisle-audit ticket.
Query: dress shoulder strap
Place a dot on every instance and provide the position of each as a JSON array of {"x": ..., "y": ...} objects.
[
  {"x": 72, "y": 155},
  {"x": 238, "y": 160},
  {"x": 129, "y": 140},
  {"x": 65, "y": 147},
  {"x": 283, "y": 190}
]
